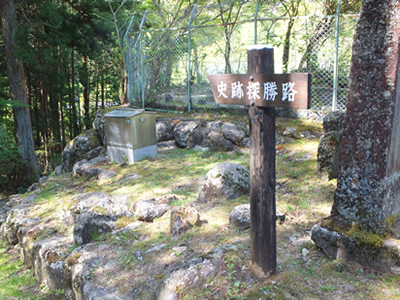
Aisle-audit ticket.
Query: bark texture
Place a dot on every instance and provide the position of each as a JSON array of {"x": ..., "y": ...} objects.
[
  {"x": 368, "y": 186},
  {"x": 22, "y": 118}
]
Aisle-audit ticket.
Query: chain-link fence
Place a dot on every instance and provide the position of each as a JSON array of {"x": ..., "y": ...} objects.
[{"x": 167, "y": 68}]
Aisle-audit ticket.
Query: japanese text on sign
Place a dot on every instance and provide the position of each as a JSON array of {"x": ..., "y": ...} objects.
[
  {"x": 270, "y": 90},
  {"x": 263, "y": 90}
]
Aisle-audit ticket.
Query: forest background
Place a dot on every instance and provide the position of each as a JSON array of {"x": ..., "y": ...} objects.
[{"x": 72, "y": 58}]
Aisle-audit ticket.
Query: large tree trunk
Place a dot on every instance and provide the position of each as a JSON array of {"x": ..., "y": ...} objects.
[
  {"x": 367, "y": 193},
  {"x": 23, "y": 126}
]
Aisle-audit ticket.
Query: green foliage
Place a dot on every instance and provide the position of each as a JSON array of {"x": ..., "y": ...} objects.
[
  {"x": 95, "y": 234},
  {"x": 12, "y": 175},
  {"x": 235, "y": 290}
]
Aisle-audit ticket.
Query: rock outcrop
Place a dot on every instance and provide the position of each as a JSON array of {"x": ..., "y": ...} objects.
[
  {"x": 329, "y": 145},
  {"x": 148, "y": 210},
  {"x": 240, "y": 217},
  {"x": 182, "y": 219},
  {"x": 225, "y": 180},
  {"x": 88, "y": 145},
  {"x": 191, "y": 274}
]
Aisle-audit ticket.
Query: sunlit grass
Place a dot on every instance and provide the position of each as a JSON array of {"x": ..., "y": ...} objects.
[
  {"x": 301, "y": 195},
  {"x": 13, "y": 276}
]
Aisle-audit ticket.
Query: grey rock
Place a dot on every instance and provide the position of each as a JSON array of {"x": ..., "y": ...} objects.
[
  {"x": 111, "y": 207},
  {"x": 228, "y": 180},
  {"x": 87, "y": 171},
  {"x": 240, "y": 217},
  {"x": 217, "y": 142},
  {"x": 383, "y": 258},
  {"x": 233, "y": 133},
  {"x": 190, "y": 275},
  {"x": 84, "y": 166},
  {"x": 182, "y": 132},
  {"x": 93, "y": 153},
  {"x": 106, "y": 174},
  {"x": 333, "y": 121},
  {"x": 326, "y": 240},
  {"x": 30, "y": 198},
  {"x": 138, "y": 255},
  {"x": 41, "y": 255},
  {"x": 120, "y": 199},
  {"x": 93, "y": 292},
  {"x": 183, "y": 219},
  {"x": 246, "y": 142},
  {"x": 213, "y": 125},
  {"x": 198, "y": 138},
  {"x": 290, "y": 132},
  {"x": 148, "y": 210},
  {"x": 33, "y": 187},
  {"x": 14, "y": 200},
  {"x": 179, "y": 249},
  {"x": 66, "y": 217},
  {"x": 91, "y": 225},
  {"x": 85, "y": 146},
  {"x": 55, "y": 275},
  {"x": 16, "y": 217},
  {"x": 83, "y": 286},
  {"x": 156, "y": 248},
  {"x": 164, "y": 130},
  {"x": 328, "y": 155},
  {"x": 86, "y": 201},
  {"x": 304, "y": 252},
  {"x": 84, "y": 163},
  {"x": 42, "y": 180},
  {"x": 58, "y": 170},
  {"x": 200, "y": 148},
  {"x": 99, "y": 124}
]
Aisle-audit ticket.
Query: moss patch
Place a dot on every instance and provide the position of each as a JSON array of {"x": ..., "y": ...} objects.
[
  {"x": 74, "y": 258},
  {"x": 124, "y": 221},
  {"x": 100, "y": 210},
  {"x": 366, "y": 237}
]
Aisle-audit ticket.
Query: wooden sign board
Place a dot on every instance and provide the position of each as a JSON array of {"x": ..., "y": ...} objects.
[{"x": 263, "y": 90}]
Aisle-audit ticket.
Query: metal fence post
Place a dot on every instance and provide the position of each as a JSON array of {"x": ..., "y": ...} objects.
[
  {"x": 190, "y": 50},
  {"x": 141, "y": 57},
  {"x": 336, "y": 61}
]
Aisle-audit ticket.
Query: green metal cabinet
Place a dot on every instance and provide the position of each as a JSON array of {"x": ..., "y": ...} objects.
[{"x": 131, "y": 135}]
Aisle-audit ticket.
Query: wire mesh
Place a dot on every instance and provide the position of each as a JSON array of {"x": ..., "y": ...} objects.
[{"x": 159, "y": 69}]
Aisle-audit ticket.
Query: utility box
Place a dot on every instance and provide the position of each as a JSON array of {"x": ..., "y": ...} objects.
[{"x": 131, "y": 135}]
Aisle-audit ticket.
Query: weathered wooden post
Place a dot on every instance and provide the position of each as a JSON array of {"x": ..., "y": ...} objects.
[
  {"x": 265, "y": 91},
  {"x": 262, "y": 170}
]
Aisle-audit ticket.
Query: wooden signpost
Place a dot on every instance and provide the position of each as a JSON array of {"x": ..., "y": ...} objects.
[{"x": 262, "y": 91}]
